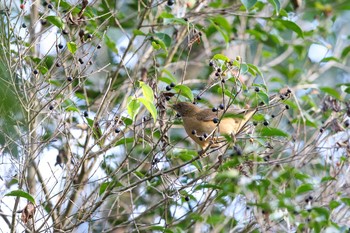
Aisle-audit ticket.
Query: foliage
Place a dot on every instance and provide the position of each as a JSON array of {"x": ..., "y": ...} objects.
[{"x": 87, "y": 85}]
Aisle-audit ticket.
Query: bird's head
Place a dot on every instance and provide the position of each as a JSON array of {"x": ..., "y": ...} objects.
[{"x": 185, "y": 109}]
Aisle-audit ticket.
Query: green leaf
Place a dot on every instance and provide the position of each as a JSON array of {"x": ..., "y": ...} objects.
[
  {"x": 133, "y": 107},
  {"x": 111, "y": 44},
  {"x": 253, "y": 70},
  {"x": 166, "y": 15},
  {"x": 346, "y": 201},
  {"x": 272, "y": 132},
  {"x": 138, "y": 33},
  {"x": 184, "y": 91},
  {"x": 327, "y": 59},
  {"x": 276, "y": 4},
  {"x": 331, "y": 92},
  {"x": 124, "y": 141},
  {"x": 304, "y": 188},
  {"x": 103, "y": 187},
  {"x": 55, "y": 20},
  {"x": 264, "y": 97},
  {"x": 169, "y": 78},
  {"x": 248, "y": 3},
  {"x": 20, "y": 193},
  {"x": 333, "y": 204},
  {"x": 72, "y": 109},
  {"x": 147, "y": 92},
  {"x": 165, "y": 38},
  {"x": 327, "y": 178},
  {"x": 159, "y": 44},
  {"x": 345, "y": 52},
  {"x": 90, "y": 122},
  {"x": 221, "y": 57},
  {"x": 244, "y": 68},
  {"x": 72, "y": 47},
  {"x": 150, "y": 107},
  {"x": 293, "y": 26}
]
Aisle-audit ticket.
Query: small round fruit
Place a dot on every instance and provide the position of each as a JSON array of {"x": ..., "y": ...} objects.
[
  {"x": 216, "y": 120},
  {"x": 170, "y": 2},
  {"x": 168, "y": 88},
  {"x": 257, "y": 89}
]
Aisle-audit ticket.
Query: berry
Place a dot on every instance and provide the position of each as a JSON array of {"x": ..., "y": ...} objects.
[
  {"x": 60, "y": 46},
  {"x": 289, "y": 91},
  {"x": 86, "y": 114},
  {"x": 168, "y": 88},
  {"x": 24, "y": 25},
  {"x": 287, "y": 106},
  {"x": 69, "y": 79},
  {"x": 214, "y": 109},
  {"x": 99, "y": 46},
  {"x": 200, "y": 138},
  {"x": 167, "y": 98},
  {"x": 218, "y": 70},
  {"x": 49, "y": 6},
  {"x": 321, "y": 130},
  {"x": 238, "y": 150},
  {"x": 170, "y": 2},
  {"x": 43, "y": 21},
  {"x": 282, "y": 97},
  {"x": 172, "y": 84},
  {"x": 89, "y": 36},
  {"x": 211, "y": 63},
  {"x": 217, "y": 74},
  {"x": 205, "y": 135},
  {"x": 117, "y": 130},
  {"x": 266, "y": 158},
  {"x": 255, "y": 123},
  {"x": 51, "y": 107},
  {"x": 187, "y": 198},
  {"x": 347, "y": 123},
  {"x": 90, "y": 63},
  {"x": 257, "y": 89},
  {"x": 35, "y": 72},
  {"x": 65, "y": 32},
  {"x": 221, "y": 106},
  {"x": 81, "y": 61},
  {"x": 223, "y": 81},
  {"x": 58, "y": 64},
  {"x": 178, "y": 115},
  {"x": 22, "y": 6},
  {"x": 266, "y": 123},
  {"x": 198, "y": 97},
  {"x": 216, "y": 120},
  {"x": 194, "y": 132}
]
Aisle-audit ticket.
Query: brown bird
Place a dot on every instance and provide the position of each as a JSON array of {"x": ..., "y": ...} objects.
[{"x": 203, "y": 125}]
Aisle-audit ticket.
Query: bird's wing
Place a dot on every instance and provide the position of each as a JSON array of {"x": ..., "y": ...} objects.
[{"x": 209, "y": 115}]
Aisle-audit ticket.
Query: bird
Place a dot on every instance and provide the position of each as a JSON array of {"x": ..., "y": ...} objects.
[{"x": 203, "y": 125}]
